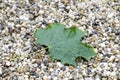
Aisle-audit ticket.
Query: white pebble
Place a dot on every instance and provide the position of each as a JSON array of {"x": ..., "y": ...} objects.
[
  {"x": 24, "y": 17},
  {"x": 41, "y": 12},
  {"x": 0, "y": 71},
  {"x": 102, "y": 45},
  {"x": 55, "y": 78},
  {"x": 51, "y": 69},
  {"x": 110, "y": 15},
  {"x": 65, "y": 78},
  {"x": 35, "y": 65},
  {"x": 8, "y": 63},
  {"x": 45, "y": 77},
  {"x": 112, "y": 58},
  {"x": 113, "y": 73},
  {"x": 68, "y": 73},
  {"x": 88, "y": 79},
  {"x": 59, "y": 64},
  {"x": 27, "y": 1},
  {"x": 97, "y": 78},
  {"x": 91, "y": 16},
  {"x": 11, "y": 24},
  {"x": 24, "y": 63},
  {"x": 107, "y": 73},
  {"x": 49, "y": 77}
]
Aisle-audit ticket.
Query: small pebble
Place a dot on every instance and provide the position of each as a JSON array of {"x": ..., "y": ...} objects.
[
  {"x": 1, "y": 71},
  {"x": 8, "y": 63},
  {"x": 118, "y": 65}
]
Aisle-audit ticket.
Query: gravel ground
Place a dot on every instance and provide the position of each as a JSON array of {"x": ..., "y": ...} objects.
[{"x": 22, "y": 59}]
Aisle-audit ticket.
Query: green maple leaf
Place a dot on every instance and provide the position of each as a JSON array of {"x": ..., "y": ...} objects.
[{"x": 64, "y": 43}]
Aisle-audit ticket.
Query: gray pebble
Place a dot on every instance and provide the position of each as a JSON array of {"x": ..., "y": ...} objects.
[{"x": 118, "y": 65}]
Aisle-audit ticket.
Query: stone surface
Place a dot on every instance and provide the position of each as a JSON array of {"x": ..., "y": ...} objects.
[{"x": 25, "y": 59}]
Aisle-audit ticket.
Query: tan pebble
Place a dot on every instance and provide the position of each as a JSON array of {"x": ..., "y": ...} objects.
[
  {"x": 65, "y": 1},
  {"x": 112, "y": 58},
  {"x": 114, "y": 78},
  {"x": 110, "y": 64},
  {"x": 111, "y": 0},
  {"x": 84, "y": 74},
  {"x": 26, "y": 77},
  {"x": 61, "y": 74},
  {"x": 21, "y": 69},
  {"x": 23, "y": 29},
  {"x": 117, "y": 59},
  {"x": 94, "y": 66},
  {"x": 21, "y": 57},
  {"x": 52, "y": 15},
  {"x": 85, "y": 66},
  {"x": 71, "y": 67},
  {"x": 104, "y": 78},
  {"x": 100, "y": 49},
  {"x": 116, "y": 7},
  {"x": 33, "y": 78},
  {"x": 31, "y": 16},
  {"x": 45, "y": 77},
  {"x": 114, "y": 69},
  {"x": 6, "y": 31}
]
